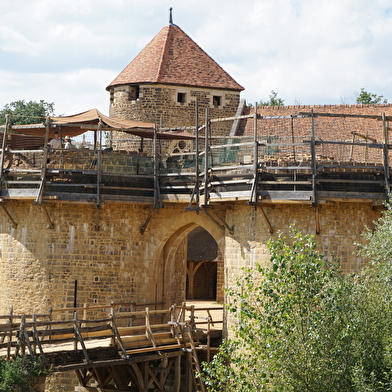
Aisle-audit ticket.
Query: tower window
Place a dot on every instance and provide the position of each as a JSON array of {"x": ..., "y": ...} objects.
[
  {"x": 216, "y": 100},
  {"x": 181, "y": 97},
  {"x": 133, "y": 93}
]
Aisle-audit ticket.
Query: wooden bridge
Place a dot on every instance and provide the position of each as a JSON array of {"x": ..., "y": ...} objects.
[{"x": 135, "y": 350}]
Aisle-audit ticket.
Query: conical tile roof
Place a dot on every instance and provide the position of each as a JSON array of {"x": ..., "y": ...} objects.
[{"x": 172, "y": 57}]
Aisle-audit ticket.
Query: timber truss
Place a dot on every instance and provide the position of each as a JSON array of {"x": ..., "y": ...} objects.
[
  {"x": 309, "y": 167},
  {"x": 127, "y": 351}
]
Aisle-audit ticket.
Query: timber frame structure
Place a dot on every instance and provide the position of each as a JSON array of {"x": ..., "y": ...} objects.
[
  {"x": 259, "y": 170},
  {"x": 122, "y": 351},
  {"x": 206, "y": 174}
]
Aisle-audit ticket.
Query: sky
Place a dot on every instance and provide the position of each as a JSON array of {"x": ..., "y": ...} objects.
[{"x": 310, "y": 52}]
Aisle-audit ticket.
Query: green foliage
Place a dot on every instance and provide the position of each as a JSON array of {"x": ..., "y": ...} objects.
[
  {"x": 274, "y": 100},
  {"x": 20, "y": 372},
  {"x": 23, "y": 112},
  {"x": 378, "y": 241},
  {"x": 302, "y": 325},
  {"x": 365, "y": 97}
]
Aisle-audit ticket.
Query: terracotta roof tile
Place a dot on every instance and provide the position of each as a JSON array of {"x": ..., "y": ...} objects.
[{"x": 172, "y": 57}]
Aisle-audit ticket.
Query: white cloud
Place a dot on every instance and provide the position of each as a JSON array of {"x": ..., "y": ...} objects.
[
  {"x": 308, "y": 51},
  {"x": 14, "y": 41}
]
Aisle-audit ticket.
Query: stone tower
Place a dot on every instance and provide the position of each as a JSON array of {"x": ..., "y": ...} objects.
[{"x": 164, "y": 80}]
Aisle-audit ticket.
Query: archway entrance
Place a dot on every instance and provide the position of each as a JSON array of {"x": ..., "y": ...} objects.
[
  {"x": 203, "y": 256},
  {"x": 192, "y": 257}
]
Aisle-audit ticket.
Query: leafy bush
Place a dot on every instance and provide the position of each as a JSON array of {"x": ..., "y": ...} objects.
[
  {"x": 19, "y": 372},
  {"x": 302, "y": 325}
]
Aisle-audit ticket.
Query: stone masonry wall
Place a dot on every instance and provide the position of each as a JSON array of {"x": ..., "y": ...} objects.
[
  {"x": 158, "y": 103},
  {"x": 39, "y": 266}
]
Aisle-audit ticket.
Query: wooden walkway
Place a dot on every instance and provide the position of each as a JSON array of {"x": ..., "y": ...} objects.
[{"x": 124, "y": 351}]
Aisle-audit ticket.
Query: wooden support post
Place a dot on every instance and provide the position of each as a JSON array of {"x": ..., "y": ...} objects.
[
  {"x": 177, "y": 374},
  {"x": 79, "y": 337},
  {"x": 314, "y": 163},
  {"x": 386, "y": 155},
  {"x": 139, "y": 377},
  {"x": 116, "y": 335},
  {"x": 25, "y": 335},
  {"x": 145, "y": 366},
  {"x": 157, "y": 193},
  {"x": 254, "y": 191},
  {"x": 209, "y": 338},
  {"x": 3, "y": 147},
  {"x": 206, "y": 158},
  {"x": 40, "y": 193},
  {"x": 148, "y": 331},
  {"x": 36, "y": 337},
  {"x": 317, "y": 219},
  {"x": 197, "y": 190},
  {"x": 256, "y": 168},
  {"x": 192, "y": 268},
  {"x": 85, "y": 309},
  {"x": 99, "y": 164},
  {"x": 9, "y": 343}
]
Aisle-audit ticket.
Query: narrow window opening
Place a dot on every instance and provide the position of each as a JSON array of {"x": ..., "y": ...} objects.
[
  {"x": 181, "y": 97},
  {"x": 133, "y": 94},
  {"x": 216, "y": 100}
]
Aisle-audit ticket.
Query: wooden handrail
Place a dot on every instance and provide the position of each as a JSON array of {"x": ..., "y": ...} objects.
[{"x": 44, "y": 337}]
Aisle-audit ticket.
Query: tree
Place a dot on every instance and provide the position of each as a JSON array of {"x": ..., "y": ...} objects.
[
  {"x": 23, "y": 112},
  {"x": 273, "y": 100},
  {"x": 305, "y": 326},
  {"x": 365, "y": 97},
  {"x": 19, "y": 373}
]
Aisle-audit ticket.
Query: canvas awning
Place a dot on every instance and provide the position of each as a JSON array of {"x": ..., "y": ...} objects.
[{"x": 89, "y": 121}]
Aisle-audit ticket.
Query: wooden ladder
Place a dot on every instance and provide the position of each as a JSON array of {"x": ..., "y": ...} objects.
[{"x": 193, "y": 359}]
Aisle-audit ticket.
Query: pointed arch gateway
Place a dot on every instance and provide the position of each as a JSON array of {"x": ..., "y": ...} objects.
[
  {"x": 203, "y": 256},
  {"x": 193, "y": 263}
]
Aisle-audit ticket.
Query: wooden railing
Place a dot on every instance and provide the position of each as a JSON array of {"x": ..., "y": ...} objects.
[{"x": 70, "y": 342}]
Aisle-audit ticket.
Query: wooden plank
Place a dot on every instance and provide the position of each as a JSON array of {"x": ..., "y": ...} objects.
[
  {"x": 320, "y": 114},
  {"x": 352, "y": 196},
  {"x": 283, "y": 182},
  {"x": 116, "y": 362},
  {"x": 149, "y": 349},
  {"x": 90, "y": 198},
  {"x": 25, "y": 194},
  {"x": 344, "y": 181},
  {"x": 133, "y": 344},
  {"x": 287, "y": 195}
]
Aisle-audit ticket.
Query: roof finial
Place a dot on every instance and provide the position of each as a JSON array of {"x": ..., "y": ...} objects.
[{"x": 171, "y": 16}]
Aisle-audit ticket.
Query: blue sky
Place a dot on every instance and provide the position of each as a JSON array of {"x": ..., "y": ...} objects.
[{"x": 309, "y": 51}]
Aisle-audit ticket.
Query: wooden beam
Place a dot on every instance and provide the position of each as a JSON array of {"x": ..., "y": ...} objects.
[
  {"x": 47, "y": 216},
  {"x": 177, "y": 375},
  {"x": 13, "y": 222},
  {"x": 219, "y": 221},
  {"x": 139, "y": 379},
  {"x": 266, "y": 220},
  {"x": 319, "y": 114},
  {"x": 316, "y": 210}
]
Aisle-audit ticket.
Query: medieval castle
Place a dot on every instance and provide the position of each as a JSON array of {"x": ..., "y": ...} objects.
[{"x": 162, "y": 225}]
